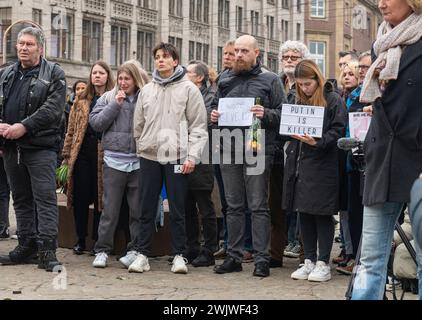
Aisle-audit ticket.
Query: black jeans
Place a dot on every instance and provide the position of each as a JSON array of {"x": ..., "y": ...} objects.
[
  {"x": 202, "y": 198},
  {"x": 33, "y": 185},
  {"x": 4, "y": 198},
  {"x": 278, "y": 216},
  {"x": 152, "y": 175},
  {"x": 317, "y": 231},
  {"x": 85, "y": 191},
  {"x": 355, "y": 210}
]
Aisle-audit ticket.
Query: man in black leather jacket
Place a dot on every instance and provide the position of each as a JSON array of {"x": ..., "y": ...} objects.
[{"x": 32, "y": 99}]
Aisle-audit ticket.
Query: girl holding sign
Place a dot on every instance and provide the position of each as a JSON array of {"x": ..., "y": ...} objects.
[{"x": 311, "y": 180}]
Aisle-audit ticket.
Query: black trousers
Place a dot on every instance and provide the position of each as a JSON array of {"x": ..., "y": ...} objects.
[
  {"x": 278, "y": 216},
  {"x": 317, "y": 232},
  {"x": 202, "y": 199},
  {"x": 4, "y": 198},
  {"x": 152, "y": 175},
  {"x": 355, "y": 210},
  {"x": 85, "y": 190}
]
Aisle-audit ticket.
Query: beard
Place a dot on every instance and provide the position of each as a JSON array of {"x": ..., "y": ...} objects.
[
  {"x": 289, "y": 71},
  {"x": 240, "y": 66}
]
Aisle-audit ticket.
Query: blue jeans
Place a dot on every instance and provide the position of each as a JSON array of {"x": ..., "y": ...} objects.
[
  {"x": 377, "y": 236},
  {"x": 419, "y": 260}
]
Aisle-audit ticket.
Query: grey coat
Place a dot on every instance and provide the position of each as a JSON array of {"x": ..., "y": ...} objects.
[{"x": 115, "y": 122}]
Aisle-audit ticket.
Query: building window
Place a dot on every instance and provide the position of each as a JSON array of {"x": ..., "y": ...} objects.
[
  {"x": 219, "y": 59},
  {"x": 144, "y": 4},
  {"x": 285, "y": 4},
  {"x": 254, "y": 23},
  {"x": 5, "y": 22},
  {"x": 37, "y": 16},
  {"x": 317, "y": 50},
  {"x": 119, "y": 49},
  {"x": 299, "y": 5},
  {"x": 223, "y": 13},
  {"x": 144, "y": 49},
  {"x": 318, "y": 8},
  {"x": 298, "y": 31},
  {"x": 206, "y": 11},
  {"x": 199, "y": 51},
  {"x": 192, "y": 9},
  {"x": 177, "y": 42},
  {"x": 239, "y": 19},
  {"x": 273, "y": 62},
  {"x": 284, "y": 30},
  {"x": 61, "y": 36},
  {"x": 270, "y": 27},
  {"x": 92, "y": 41},
  {"x": 199, "y": 10},
  {"x": 175, "y": 8}
]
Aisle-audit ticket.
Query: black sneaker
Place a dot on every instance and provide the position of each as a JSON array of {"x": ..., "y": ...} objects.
[
  {"x": 229, "y": 265},
  {"x": 262, "y": 269},
  {"x": 205, "y": 259},
  {"x": 5, "y": 234}
]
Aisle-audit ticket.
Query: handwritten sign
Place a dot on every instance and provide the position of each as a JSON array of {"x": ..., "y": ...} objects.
[
  {"x": 359, "y": 124},
  {"x": 235, "y": 112},
  {"x": 298, "y": 119}
]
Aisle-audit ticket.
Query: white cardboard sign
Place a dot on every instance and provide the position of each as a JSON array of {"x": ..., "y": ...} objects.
[
  {"x": 359, "y": 124},
  {"x": 235, "y": 112}
]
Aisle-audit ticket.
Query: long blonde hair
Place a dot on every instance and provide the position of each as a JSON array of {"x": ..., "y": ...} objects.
[
  {"x": 133, "y": 70},
  {"x": 307, "y": 69}
]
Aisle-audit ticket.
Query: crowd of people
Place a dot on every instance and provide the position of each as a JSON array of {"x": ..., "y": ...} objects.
[{"x": 124, "y": 140}]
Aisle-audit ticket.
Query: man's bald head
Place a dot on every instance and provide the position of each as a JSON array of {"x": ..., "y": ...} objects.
[
  {"x": 247, "y": 40},
  {"x": 246, "y": 51}
]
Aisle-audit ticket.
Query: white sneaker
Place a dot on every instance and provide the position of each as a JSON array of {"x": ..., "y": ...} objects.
[
  {"x": 321, "y": 273},
  {"x": 179, "y": 265},
  {"x": 129, "y": 258},
  {"x": 100, "y": 260},
  {"x": 140, "y": 264},
  {"x": 303, "y": 272}
]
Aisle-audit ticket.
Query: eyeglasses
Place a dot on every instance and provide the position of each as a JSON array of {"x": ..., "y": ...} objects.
[
  {"x": 341, "y": 65},
  {"x": 362, "y": 66},
  {"x": 293, "y": 58}
]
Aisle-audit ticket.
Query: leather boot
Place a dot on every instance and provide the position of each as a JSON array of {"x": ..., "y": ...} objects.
[
  {"x": 47, "y": 255},
  {"x": 25, "y": 251}
]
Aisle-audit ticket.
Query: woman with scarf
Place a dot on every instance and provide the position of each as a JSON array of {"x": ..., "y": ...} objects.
[{"x": 393, "y": 145}]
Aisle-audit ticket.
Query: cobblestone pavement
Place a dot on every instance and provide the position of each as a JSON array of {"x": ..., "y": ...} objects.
[{"x": 79, "y": 280}]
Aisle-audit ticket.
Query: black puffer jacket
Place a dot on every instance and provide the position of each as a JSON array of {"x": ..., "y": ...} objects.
[
  {"x": 202, "y": 178},
  {"x": 252, "y": 84},
  {"x": 43, "y": 111},
  {"x": 311, "y": 174}
]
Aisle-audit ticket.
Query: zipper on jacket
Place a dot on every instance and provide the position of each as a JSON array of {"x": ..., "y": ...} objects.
[
  {"x": 298, "y": 160},
  {"x": 18, "y": 153},
  {"x": 297, "y": 173}
]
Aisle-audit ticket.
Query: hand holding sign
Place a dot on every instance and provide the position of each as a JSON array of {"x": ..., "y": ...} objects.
[{"x": 305, "y": 139}]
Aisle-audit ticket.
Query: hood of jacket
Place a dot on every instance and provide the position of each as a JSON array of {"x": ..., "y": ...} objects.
[{"x": 178, "y": 74}]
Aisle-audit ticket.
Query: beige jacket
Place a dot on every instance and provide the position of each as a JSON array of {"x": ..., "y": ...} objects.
[{"x": 170, "y": 122}]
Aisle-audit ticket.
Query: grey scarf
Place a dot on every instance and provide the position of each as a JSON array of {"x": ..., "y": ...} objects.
[
  {"x": 388, "y": 50},
  {"x": 178, "y": 74}
]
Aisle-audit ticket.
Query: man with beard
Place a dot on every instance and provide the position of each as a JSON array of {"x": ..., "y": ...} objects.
[{"x": 247, "y": 79}]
